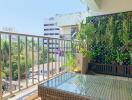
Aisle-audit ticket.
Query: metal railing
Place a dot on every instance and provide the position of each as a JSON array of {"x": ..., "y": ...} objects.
[{"x": 26, "y": 60}]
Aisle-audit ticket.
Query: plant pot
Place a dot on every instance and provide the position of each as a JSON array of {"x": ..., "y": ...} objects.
[{"x": 82, "y": 62}]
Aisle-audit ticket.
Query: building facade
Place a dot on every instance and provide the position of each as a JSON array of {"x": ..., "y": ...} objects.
[
  {"x": 63, "y": 25},
  {"x": 50, "y": 28},
  {"x": 70, "y": 27}
]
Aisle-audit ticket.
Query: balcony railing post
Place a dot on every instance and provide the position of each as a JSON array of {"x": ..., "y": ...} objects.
[
  {"x": 59, "y": 56},
  {"x": 26, "y": 61},
  {"x": 10, "y": 66},
  {"x": 71, "y": 46},
  {"x": 66, "y": 55},
  {"x": 32, "y": 60},
  {"x": 18, "y": 62},
  {"x": 48, "y": 57},
  {"x": 70, "y": 49},
  {"x": 55, "y": 56},
  {"x": 52, "y": 57},
  {"x": 43, "y": 58},
  {"x": 64, "y": 52},
  {"x": 38, "y": 62},
  {"x": 0, "y": 72}
]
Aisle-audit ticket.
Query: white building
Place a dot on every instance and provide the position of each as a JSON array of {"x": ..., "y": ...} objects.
[{"x": 50, "y": 28}]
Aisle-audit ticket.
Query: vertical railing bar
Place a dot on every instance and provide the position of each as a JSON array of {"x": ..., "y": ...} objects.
[
  {"x": 43, "y": 59},
  {"x": 52, "y": 57},
  {"x": 70, "y": 49},
  {"x": 62, "y": 58},
  {"x": 58, "y": 61},
  {"x": 59, "y": 56},
  {"x": 48, "y": 57},
  {"x": 0, "y": 71},
  {"x": 26, "y": 61},
  {"x": 10, "y": 66},
  {"x": 71, "y": 46},
  {"x": 18, "y": 62},
  {"x": 76, "y": 46},
  {"x": 38, "y": 62},
  {"x": 67, "y": 48},
  {"x": 64, "y": 53},
  {"x": 32, "y": 60},
  {"x": 49, "y": 52},
  {"x": 55, "y": 57}
]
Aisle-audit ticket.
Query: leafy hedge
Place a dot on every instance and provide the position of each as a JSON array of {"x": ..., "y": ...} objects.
[{"x": 112, "y": 40}]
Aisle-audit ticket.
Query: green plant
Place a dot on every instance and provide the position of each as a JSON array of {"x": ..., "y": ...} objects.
[
  {"x": 112, "y": 38},
  {"x": 85, "y": 37},
  {"x": 3, "y": 75},
  {"x": 71, "y": 62}
]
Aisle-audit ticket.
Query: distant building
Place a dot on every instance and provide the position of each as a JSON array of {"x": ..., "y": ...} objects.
[
  {"x": 50, "y": 28},
  {"x": 70, "y": 23},
  {"x": 63, "y": 26},
  {"x": 8, "y": 29}
]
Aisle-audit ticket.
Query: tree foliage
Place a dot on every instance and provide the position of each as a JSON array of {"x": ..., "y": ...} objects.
[{"x": 14, "y": 57}]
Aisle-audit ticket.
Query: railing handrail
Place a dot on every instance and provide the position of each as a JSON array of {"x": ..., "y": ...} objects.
[{"x": 30, "y": 35}]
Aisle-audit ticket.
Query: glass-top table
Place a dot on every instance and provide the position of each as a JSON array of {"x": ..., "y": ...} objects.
[{"x": 90, "y": 86}]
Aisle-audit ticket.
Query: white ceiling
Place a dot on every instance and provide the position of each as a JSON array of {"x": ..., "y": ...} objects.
[{"x": 109, "y": 6}]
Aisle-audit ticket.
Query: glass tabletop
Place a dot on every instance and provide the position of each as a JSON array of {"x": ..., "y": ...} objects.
[{"x": 100, "y": 87}]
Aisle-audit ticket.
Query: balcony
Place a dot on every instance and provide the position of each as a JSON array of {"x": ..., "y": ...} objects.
[
  {"x": 30, "y": 61},
  {"x": 37, "y": 67}
]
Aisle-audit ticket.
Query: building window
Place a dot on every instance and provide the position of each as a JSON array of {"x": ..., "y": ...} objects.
[
  {"x": 56, "y": 33},
  {"x": 50, "y": 29},
  {"x": 51, "y": 33},
  {"x": 49, "y": 24}
]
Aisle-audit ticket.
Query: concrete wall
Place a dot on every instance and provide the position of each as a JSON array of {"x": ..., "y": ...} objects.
[
  {"x": 113, "y": 6},
  {"x": 102, "y": 7},
  {"x": 66, "y": 31}
]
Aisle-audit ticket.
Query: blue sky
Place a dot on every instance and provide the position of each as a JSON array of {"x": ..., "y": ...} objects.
[{"x": 27, "y": 16}]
